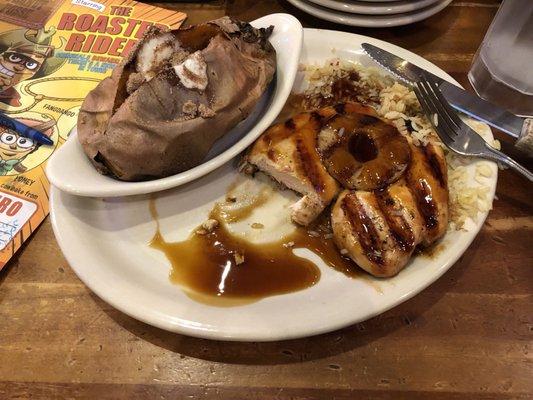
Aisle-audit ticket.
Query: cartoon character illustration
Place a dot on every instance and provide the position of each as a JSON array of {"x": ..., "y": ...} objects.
[
  {"x": 14, "y": 148},
  {"x": 25, "y": 54}
]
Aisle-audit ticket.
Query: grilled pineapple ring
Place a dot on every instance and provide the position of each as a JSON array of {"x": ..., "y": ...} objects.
[{"x": 362, "y": 151}]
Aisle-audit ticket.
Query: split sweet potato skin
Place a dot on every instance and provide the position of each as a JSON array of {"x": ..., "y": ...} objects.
[{"x": 161, "y": 127}]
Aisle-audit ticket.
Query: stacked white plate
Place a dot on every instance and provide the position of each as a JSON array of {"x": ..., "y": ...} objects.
[{"x": 371, "y": 13}]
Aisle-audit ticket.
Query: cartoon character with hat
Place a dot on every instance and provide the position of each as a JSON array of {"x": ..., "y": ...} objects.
[
  {"x": 25, "y": 54},
  {"x": 14, "y": 148}
]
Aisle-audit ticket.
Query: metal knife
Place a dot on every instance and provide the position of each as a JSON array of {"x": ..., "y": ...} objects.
[{"x": 468, "y": 103}]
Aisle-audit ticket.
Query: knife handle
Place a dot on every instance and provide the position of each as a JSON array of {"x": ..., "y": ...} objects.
[{"x": 525, "y": 142}]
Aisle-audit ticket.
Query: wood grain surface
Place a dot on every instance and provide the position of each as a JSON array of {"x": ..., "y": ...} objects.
[{"x": 468, "y": 336}]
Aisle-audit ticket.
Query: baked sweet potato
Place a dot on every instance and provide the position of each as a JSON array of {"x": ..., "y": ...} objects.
[{"x": 177, "y": 92}]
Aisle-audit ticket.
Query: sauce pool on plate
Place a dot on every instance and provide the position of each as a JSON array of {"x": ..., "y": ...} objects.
[{"x": 221, "y": 264}]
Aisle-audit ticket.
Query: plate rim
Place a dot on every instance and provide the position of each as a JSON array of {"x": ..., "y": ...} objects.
[
  {"x": 182, "y": 327},
  {"x": 369, "y": 21},
  {"x": 379, "y": 8}
]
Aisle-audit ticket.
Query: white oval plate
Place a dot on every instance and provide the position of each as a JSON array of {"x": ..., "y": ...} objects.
[
  {"x": 382, "y": 8},
  {"x": 105, "y": 242},
  {"x": 369, "y": 21},
  {"x": 82, "y": 179}
]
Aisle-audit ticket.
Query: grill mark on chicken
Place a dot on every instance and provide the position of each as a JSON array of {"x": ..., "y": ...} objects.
[
  {"x": 434, "y": 164},
  {"x": 363, "y": 228},
  {"x": 422, "y": 189},
  {"x": 401, "y": 230},
  {"x": 308, "y": 163},
  {"x": 425, "y": 202}
]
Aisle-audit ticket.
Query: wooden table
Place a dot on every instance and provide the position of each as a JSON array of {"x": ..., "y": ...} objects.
[{"x": 468, "y": 336}]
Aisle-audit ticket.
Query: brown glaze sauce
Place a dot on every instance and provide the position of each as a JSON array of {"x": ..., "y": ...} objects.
[
  {"x": 362, "y": 148},
  {"x": 369, "y": 152},
  {"x": 342, "y": 90},
  {"x": 220, "y": 264},
  {"x": 430, "y": 252},
  {"x": 345, "y": 88},
  {"x": 426, "y": 203}
]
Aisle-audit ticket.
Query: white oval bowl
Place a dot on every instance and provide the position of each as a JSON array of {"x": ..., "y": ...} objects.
[{"x": 70, "y": 170}]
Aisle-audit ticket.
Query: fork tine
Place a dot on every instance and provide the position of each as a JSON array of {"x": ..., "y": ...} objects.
[
  {"x": 444, "y": 127},
  {"x": 422, "y": 96},
  {"x": 436, "y": 91},
  {"x": 462, "y": 139},
  {"x": 444, "y": 118},
  {"x": 422, "y": 99}
]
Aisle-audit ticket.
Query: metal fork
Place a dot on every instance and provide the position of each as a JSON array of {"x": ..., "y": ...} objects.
[{"x": 453, "y": 132}]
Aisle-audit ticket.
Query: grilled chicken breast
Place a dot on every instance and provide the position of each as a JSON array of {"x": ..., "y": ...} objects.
[
  {"x": 288, "y": 153},
  {"x": 396, "y": 193},
  {"x": 355, "y": 148},
  {"x": 381, "y": 229},
  {"x": 427, "y": 177}
]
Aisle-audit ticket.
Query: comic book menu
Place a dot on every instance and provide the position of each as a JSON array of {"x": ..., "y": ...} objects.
[{"x": 52, "y": 53}]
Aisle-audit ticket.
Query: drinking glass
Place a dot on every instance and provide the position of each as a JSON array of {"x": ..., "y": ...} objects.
[{"x": 502, "y": 70}]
